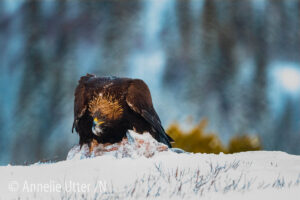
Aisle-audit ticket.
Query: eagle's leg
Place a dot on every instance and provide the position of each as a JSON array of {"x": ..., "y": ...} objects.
[{"x": 92, "y": 145}]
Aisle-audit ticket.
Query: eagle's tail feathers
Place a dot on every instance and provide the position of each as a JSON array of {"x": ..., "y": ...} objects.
[
  {"x": 164, "y": 138},
  {"x": 170, "y": 139}
]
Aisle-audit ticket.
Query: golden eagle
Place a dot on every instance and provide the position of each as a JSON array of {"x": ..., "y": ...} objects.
[{"x": 106, "y": 107}]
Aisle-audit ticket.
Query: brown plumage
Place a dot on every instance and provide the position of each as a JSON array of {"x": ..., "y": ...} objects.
[{"x": 106, "y": 107}]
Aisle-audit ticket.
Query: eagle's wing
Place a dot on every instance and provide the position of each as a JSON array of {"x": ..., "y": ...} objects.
[
  {"x": 80, "y": 105},
  {"x": 139, "y": 100}
]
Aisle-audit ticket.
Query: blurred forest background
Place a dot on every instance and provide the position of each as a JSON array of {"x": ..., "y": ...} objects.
[{"x": 234, "y": 63}]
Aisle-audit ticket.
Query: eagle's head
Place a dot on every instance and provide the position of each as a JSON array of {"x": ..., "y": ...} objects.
[
  {"x": 105, "y": 110},
  {"x": 98, "y": 126}
]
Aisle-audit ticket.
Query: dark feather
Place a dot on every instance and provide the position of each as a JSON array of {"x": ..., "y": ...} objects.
[{"x": 139, "y": 100}]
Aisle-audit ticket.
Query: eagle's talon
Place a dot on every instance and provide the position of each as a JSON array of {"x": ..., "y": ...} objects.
[{"x": 92, "y": 145}]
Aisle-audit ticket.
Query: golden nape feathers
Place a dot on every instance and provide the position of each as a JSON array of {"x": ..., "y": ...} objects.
[{"x": 109, "y": 107}]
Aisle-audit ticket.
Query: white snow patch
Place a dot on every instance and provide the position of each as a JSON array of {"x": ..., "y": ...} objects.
[
  {"x": 123, "y": 171},
  {"x": 134, "y": 146}
]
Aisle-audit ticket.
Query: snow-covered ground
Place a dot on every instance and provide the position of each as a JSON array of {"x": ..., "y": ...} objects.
[{"x": 165, "y": 175}]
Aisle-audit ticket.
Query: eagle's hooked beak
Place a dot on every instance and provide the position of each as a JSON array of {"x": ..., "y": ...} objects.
[
  {"x": 96, "y": 126},
  {"x": 97, "y": 122}
]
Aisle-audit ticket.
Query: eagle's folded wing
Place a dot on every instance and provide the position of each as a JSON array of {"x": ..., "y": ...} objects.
[
  {"x": 139, "y": 100},
  {"x": 80, "y": 105}
]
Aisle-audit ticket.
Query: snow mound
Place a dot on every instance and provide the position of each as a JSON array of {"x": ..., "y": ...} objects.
[
  {"x": 257, "y": 175},
  {"x": 134, "y": 146}
]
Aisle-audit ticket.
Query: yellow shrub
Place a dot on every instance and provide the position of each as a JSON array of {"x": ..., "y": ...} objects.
[
  {"x": 244, "y": 143},
  {"x": 196, "y": 140}
]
